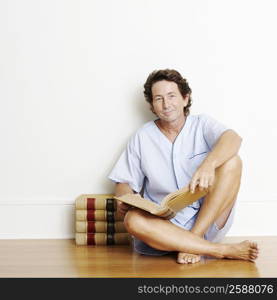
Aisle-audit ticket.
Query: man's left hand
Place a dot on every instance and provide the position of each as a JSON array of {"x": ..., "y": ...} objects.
[{"x": 203, "y": 177}]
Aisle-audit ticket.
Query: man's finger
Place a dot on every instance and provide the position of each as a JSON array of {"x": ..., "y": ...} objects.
[
  {"x": 211, "y": 181},
  {"x": 191, "y": 187},
  {"x": 193, "y": 184},
  {"x": 202, "y": 184},
  {"x": 206, "y": 183}
]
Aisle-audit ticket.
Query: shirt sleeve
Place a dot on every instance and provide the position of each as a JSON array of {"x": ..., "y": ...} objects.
[
  {"x": 128, "y": 168},
  {"x": 212, "y": 130}
]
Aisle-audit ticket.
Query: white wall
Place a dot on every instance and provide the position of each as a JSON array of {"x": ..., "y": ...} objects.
[{"x": 71, "y": 76}]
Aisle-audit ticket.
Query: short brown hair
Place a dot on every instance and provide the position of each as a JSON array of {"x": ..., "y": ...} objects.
[{"x": 169, "y": 75}]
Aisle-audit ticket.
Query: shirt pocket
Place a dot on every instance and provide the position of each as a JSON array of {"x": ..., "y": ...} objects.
[{"x": 194, "y": 160}]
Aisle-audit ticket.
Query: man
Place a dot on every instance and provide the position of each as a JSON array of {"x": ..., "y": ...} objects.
[{"x": 169, "y": 153}]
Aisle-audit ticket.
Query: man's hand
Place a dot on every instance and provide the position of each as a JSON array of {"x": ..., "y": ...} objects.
[
  {"x": 123, "y": 207},
  {"x": 203, "y": 177},
  {"x": 120, "y": 190}
]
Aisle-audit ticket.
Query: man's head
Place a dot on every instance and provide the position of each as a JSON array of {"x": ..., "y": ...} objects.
[{"x": 170, "y": 76}]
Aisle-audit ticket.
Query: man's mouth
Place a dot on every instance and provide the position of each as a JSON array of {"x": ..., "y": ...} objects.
[{"x": 167, "y": 112}]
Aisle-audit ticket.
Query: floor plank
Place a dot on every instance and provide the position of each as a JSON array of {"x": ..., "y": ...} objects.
[{"x": 62, "y": 258}]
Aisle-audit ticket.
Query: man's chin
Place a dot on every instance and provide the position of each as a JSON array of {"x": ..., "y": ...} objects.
[{"x": 168, "y": 119}]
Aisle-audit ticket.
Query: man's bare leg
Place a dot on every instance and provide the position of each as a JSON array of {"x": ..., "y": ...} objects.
[
  {"x": 163, "y": 235},
  {"x": 188, "y": 258},
  {"x": 221, "y": 197},
  {"x": 218, "y": 203}
]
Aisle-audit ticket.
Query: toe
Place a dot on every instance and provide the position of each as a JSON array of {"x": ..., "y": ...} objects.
[
  {"x": 254, "y": 245},
  {"x": 253, "y": 256},
  {"x": 180, "y": 260}
]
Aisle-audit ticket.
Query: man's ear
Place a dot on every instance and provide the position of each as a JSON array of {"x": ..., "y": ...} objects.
[
  {"x": 186, "y": 100},
  {"x": 152, "y": 109}
]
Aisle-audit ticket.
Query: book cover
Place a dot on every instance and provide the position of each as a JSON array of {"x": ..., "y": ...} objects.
[
  {"x": 100, "y": 226},
  {"x": 169, "y": 206},
  {"x": 102, "y": 239},
  {"x": 98, "y": 215},
  {"x": 96, "y": 202}
]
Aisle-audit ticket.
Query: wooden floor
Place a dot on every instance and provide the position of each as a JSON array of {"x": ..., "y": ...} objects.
[{"x": 62, "y": 258}]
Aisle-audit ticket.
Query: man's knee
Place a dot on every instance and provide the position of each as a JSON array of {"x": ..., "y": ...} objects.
[
  {"x": 134, "y": 221},
  {"x": 234, "y": 164}
]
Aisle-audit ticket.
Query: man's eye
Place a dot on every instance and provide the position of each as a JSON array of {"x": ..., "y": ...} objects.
[{"x": 172, "y": 96}]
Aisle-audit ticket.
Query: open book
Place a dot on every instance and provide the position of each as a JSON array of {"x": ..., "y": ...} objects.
[{"x": 170, "y": 204}]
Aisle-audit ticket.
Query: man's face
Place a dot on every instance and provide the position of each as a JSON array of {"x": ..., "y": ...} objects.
[{"x": 168, "y": 103}]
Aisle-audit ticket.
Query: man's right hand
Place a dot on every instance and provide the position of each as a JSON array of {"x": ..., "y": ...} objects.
[
  {"x": 120, "y": 190},
  {"x": 122, "y": 207}
]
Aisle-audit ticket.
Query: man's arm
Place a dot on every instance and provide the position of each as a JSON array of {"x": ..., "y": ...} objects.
[
  {"x": 120, "y": 190},
  {"x": 226, "y": 147}
]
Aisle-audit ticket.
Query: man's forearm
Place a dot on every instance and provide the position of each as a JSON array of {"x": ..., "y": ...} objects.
[
  {"x": 122, "y": 189},
  {"x": 226, "y": 147}
]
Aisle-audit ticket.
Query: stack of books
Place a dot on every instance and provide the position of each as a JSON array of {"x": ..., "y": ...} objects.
[{"x": 98, "y": 222}]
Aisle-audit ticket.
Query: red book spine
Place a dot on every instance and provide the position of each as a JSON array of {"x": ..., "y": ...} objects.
[
  {"x": 91, "y": 226},
  {"x": 91, "y": 203}
]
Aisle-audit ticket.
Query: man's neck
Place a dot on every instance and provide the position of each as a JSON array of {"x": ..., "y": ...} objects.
[{"x": 172, "y": 128}]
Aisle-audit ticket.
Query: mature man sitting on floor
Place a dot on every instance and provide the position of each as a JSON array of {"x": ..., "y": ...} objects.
[{"x": 169, "y": 153}]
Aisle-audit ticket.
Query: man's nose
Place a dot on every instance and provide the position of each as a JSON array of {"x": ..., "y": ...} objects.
[{"x": 165, "y": 103}]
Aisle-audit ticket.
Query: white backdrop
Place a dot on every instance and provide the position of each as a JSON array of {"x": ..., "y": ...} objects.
[{"x": 71, "y": 92}]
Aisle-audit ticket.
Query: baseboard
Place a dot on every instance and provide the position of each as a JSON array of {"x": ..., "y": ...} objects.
[
  {"x": 40, "y": 221},
  {"x": 55, "y": 220}
]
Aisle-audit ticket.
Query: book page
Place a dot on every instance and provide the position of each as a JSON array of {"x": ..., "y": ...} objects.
[
  {"x": 140, "y": 202},
  {"x": 182, "y": 198}
]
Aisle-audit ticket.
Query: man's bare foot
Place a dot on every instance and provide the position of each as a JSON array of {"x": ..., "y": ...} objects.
[
  {"x": 187, "y": 258},
  {"x": 245, "y": 250}
]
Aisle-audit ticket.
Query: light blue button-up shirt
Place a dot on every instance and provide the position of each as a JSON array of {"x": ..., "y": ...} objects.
[{"x": 152, "y": 161}]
